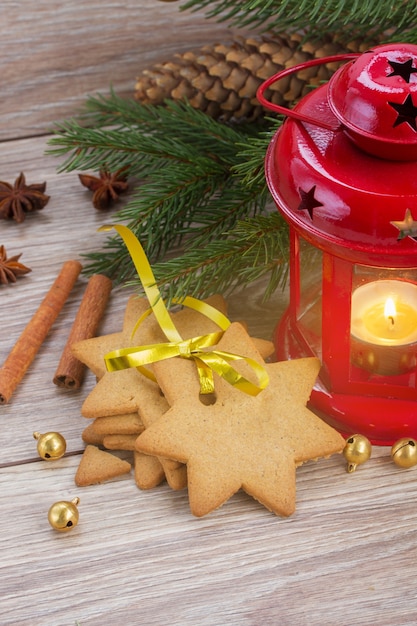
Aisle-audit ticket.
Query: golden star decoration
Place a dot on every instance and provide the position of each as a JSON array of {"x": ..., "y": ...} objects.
[
  {"x": 408, "y": 226},
  {"x": 241, "y": 441}
]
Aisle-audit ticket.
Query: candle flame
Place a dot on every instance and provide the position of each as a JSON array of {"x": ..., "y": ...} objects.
[{"x": 390, "y": 310}]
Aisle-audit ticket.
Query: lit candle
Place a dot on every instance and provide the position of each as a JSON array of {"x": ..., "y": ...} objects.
[
  {"x": 390, "y": 313},
  {"x": 384, "y": 326}
]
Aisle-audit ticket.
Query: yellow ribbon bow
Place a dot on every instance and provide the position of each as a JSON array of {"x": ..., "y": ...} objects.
[{"x": 197, "y": 348}]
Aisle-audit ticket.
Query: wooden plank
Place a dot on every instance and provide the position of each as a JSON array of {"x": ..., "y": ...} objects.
[
  {"x": 345, "y": 557},
  {"x": 52, "y": 54}
]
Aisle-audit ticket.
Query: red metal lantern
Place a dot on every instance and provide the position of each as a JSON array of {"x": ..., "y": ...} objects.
[{"x": 342, "y": 170}]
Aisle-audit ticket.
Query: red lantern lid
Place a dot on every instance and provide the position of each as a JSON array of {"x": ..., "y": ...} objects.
[
  {"x": 346, "y": 177},
  {"x": 373, "y": 99}
]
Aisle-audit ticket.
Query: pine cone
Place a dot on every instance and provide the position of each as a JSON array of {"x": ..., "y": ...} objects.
[{"x": 222, "y": 79}]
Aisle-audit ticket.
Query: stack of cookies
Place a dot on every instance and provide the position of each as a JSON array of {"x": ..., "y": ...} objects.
[{"x": 212, "y": 445}]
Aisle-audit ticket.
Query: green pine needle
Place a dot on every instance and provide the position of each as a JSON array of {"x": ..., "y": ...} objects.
[
  {"x": 349, "y": 18},
  {"x": 196, "y": 180},
  {"x": 255, "y": 247}
]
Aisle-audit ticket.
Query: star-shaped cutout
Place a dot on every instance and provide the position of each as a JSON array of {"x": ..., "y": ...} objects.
[
  {"x": 407, "y": 112},
  {"x": 404, "y": 69},
  {"x": 241, "y": 441},
  {"x": 408, "y": 226},
  {"x": 308, "y": 201}
]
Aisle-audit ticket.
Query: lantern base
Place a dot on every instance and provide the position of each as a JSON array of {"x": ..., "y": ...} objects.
[{"x": 382, "y": 420}]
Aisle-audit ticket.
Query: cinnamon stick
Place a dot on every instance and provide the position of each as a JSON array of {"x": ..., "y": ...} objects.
[
  {"x": 33, "y": 335},
  {"x": 70, "y": 371}
]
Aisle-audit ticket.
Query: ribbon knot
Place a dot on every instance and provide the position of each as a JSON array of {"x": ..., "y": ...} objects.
[
  {"x": 185, "y": 349},
  {"x": 196, "y": 348}
]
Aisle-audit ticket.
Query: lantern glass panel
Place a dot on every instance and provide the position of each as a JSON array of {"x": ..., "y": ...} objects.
[
  {"x": 384, "y": 324},
  {"x": 309, "y": 314}
]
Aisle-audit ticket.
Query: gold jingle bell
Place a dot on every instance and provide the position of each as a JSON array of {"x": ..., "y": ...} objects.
[
  {"x": 404, "y": 452},
  {"x": 51, "y": 446},
  {"x": 357, "y": 450},
  {"x": 63, "y": 516}
]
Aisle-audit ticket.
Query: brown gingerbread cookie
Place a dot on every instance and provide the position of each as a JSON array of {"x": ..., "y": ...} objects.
[
  {"x": 241, "y": 441},
  {"x": 97, "y": 466},
  {"x": 126, "y": 391}
]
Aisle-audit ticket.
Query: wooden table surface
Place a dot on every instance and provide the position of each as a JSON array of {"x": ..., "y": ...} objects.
[{"x": 347, "y": 556}]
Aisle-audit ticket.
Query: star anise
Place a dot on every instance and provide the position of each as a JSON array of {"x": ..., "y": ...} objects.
[
  {"x": 10, "y": 268},
  {"x": 20, "y": 198},
  {"x": 106, "y": 186}
]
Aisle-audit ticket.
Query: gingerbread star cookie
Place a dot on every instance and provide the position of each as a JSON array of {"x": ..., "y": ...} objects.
[
  {"x": 241, "y": 441},
  {"x": 128, "y": 391},
  {"x": 91, "y": 351}
]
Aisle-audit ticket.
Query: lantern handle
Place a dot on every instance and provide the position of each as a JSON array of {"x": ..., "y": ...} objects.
[{"x": 291, "y": 70}]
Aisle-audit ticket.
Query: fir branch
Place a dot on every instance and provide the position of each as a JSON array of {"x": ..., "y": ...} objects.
[
  {"x": 97, "y": 147},
  {"x": 188, "y": 208},
  {"x": 249, "y": 165},
  {"x": 191, "y": 188},
  {"x": 255, "y": 247},
  {"x": 112, "y": 260},
  {"x": 358, "y": 18},
  {"x": 163, "y": 223},
  {"x": 112, "y": 125}
]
